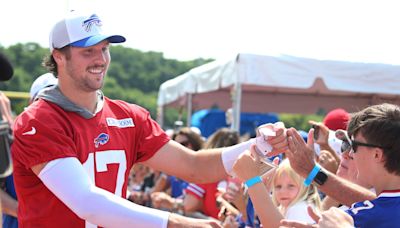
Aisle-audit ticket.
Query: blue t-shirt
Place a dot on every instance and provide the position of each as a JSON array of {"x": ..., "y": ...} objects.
[
  {"x": 383, "y": 211},
  {"x": 252, "y": 220},
  {"x": 8, "y": 220},
  {"x": 177, "y": 186}
]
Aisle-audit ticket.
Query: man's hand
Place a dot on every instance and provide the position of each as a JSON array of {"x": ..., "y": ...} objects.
[
  {"x": 230, "y": 222},
  {"x": 328, "y": 161},
  {"x": 178, "y": 221},
  {"x": 247, "y": 165},
  {"x": 162, "y": 200},
  {"x": 335, "y": 218},
  {"x": 278, "y": 142},
  {"x": 323, "y": 133},
  {"x": 323, "y": 139},
  {"x": 301, "y": 155}
]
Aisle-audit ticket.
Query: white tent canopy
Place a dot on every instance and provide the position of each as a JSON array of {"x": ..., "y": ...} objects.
[{"x": 255, "y": 83}]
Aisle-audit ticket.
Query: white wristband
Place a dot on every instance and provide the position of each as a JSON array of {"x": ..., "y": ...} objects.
[{"x": 230, "y": 154}]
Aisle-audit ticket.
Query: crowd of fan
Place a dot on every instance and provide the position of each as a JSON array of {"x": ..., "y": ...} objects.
[{"x": 228, "y": 200}]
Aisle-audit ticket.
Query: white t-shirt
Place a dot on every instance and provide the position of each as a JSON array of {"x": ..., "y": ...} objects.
[{"x": 298, "y": 212}]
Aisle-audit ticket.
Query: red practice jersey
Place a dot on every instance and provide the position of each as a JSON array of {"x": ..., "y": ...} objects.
[{"x": 107, "y": 145}]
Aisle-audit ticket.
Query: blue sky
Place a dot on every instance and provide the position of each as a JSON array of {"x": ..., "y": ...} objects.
[{"x": 351, "y": 30}]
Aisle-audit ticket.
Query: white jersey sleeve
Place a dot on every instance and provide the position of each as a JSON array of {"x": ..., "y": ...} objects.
[{"x": 68, "y": 180}]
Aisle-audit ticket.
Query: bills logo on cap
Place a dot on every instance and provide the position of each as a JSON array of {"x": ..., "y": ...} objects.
[
  {"x": 93, "y": 20},
  {"x": 80, "y": 30},
  {"x": 101, "y": 139}
]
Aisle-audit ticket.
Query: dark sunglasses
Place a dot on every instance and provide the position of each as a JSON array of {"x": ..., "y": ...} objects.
[
  {"x": 348, "y": 144},
  {"x": 355, "y": 144},
  {"x": 185, "y": 143}
]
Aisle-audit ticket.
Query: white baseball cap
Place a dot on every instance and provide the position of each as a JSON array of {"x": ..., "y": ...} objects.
[
  {"x": 43, "y": 81},
  {"x": 80, "y": 30}
]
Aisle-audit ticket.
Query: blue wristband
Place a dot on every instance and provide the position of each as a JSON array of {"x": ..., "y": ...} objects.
[
  {"x": 312, "y": 175},
  {"x": 252, "y": 181}
]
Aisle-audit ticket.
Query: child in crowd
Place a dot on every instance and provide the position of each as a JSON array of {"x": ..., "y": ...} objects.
[{"x": 290, "y": 197}]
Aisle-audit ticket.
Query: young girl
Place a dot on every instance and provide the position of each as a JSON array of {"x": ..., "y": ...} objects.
[{"x": 291, "y": 197}]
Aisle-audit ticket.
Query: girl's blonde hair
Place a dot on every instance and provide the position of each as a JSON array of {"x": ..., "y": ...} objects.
[{"x": 308, "y": 194}]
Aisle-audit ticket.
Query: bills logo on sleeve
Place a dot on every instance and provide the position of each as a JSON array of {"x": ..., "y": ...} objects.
[{"x": 122, "y": 123}]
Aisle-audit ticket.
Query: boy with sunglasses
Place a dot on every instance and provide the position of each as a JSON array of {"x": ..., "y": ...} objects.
[
  {"x": 347, "y": 169},
  {"x": 375, "y": 146},
  {"x": 373, "y": 136}
]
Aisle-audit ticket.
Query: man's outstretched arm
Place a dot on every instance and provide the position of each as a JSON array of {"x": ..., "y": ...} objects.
[
  {"x": 301, "y": 157},
  {"x": 209, "y": 165},
  {"x": 67, "y": 179}
]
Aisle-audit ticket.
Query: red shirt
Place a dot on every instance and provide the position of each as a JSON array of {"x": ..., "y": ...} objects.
[
  {"x": 207, "y": 193},
  {"x": 107, "y": 145}
]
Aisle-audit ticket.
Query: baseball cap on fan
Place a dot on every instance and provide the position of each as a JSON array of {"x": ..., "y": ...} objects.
[
  {"x": 80, "y": 30},
  {"x": 40, "y": 83}
]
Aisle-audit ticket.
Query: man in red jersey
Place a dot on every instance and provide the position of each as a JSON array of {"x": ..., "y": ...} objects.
[{"x": 74, "y": 147}]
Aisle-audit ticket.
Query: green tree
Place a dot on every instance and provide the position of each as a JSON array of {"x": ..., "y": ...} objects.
[
  {"x": 299, "y": 121},
  {"x": 133, "y": 76}
]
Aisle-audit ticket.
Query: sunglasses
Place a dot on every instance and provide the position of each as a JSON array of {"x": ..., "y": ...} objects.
[
  {"x": 185, "y": 143},
  {"x": 348, "y": 144}
]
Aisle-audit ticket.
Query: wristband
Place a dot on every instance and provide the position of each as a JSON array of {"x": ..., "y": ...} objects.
[
  {"x": 230, "y": 154},
  {"x": 252, "y": 181},
  {"x": 312, "y": 175}
]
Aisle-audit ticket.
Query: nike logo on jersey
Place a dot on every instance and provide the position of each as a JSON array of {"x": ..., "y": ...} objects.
[
  {"x": 31, "y": 132},
  {"x": 122, "y": 123}
]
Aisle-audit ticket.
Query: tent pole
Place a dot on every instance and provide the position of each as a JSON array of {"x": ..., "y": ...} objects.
[
  {"x": 237, "y": 97},
  {"x": 189, "y": 110}
]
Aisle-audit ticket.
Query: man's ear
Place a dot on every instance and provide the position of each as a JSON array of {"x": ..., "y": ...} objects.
[
  {"x": 58, "y": 56},
  {"x": 378, "y": 153}
]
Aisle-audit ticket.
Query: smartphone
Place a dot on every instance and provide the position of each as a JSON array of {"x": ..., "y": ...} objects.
[
  {"x": 316, "y": 132},
  {"x": 266, "y": 167}
]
